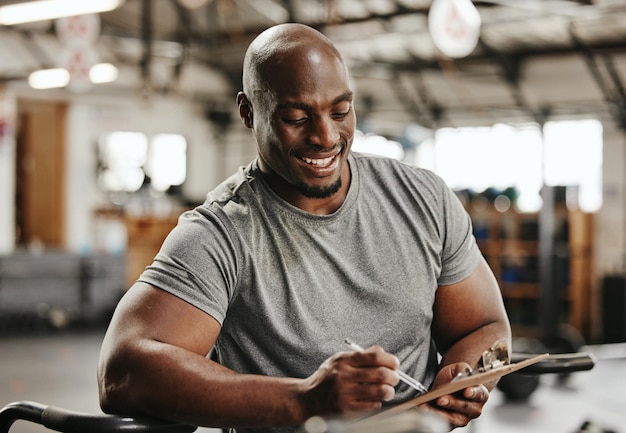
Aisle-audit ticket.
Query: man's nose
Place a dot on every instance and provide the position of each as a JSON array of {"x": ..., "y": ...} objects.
[{"x": 324, "y": 132}]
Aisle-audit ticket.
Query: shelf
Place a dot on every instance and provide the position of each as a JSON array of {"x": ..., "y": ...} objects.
[
  {"x": 509, "y": 243},
  {"x": 520, "y": 290}
]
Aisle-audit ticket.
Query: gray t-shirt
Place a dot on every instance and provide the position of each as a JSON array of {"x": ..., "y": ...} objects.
[{"x": 289, "y": 287}]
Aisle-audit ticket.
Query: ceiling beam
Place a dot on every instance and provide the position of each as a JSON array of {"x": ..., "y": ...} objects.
[
  {"x": 616, "y": 102},
  {"x": 146, "y": 38}
]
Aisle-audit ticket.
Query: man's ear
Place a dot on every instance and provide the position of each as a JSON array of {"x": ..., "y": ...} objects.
[{"x": 245, "y": 109}]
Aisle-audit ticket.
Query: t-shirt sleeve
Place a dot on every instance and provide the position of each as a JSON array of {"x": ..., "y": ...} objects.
[
  {"x": 197, "y": 263},
  {"x": 460, "y": 254}
]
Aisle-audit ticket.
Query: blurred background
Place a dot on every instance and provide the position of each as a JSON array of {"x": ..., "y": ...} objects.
[{"x": 115, "y": 116}]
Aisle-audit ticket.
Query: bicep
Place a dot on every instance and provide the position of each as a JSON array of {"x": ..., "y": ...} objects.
[
  {"x": 148, "y": 313},
  {"x": 154, "y": 340},
  {"x": 467, "y": 306}
]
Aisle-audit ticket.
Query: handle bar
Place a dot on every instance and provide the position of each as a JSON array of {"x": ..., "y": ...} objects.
[
  {"x": 556, "y": 363},
  {"x": 68, "y": 421}
]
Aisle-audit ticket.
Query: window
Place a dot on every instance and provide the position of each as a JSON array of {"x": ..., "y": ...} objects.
[
  {"x": 567, "y": 153},
  {"x": 122, "y": 156},
  {"x": 166, "y": 164},
  {"x": 377, "y": 145},
  {"x": 127, "y": 157},
  {"x": 574, "y": 157}
]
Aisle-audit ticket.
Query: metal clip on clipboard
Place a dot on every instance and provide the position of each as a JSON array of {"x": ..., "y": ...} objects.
[{"x": 495, "y": 357}]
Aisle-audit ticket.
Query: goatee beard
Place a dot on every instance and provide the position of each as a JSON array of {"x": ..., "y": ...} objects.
[{"x": 318, "y": 192}]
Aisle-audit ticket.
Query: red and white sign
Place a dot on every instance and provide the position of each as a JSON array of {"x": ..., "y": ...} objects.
[
  {"x": 85, "y": 28},
  {"x": 454, "y": 26},
  {"x": 78, "y": 35},
  {"x": 78, "y": 59}
]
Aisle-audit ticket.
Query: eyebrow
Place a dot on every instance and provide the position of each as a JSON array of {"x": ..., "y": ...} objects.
[{"x": 347, "y": 96}]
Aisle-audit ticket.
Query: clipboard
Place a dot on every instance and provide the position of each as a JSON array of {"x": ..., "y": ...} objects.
[{"x": 457, "y": 385}]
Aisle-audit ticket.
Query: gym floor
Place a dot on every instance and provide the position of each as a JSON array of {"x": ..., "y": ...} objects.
[{"x": 59, "y": 368}]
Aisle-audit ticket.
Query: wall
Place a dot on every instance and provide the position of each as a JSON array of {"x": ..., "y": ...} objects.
[
  {"x": 87, "y": 120},
  {"x": 610, "y": 221},
  {"x": 210, "y": 156},
  {"x": 7, "y": 170}
]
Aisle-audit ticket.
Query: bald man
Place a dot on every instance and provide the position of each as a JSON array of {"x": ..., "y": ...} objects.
[{"x": 306, "y": 246}]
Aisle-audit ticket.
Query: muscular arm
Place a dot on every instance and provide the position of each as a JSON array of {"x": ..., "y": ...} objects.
[
  {"x": 153, "y": 362},
  {"x": 468, "y": 318}
]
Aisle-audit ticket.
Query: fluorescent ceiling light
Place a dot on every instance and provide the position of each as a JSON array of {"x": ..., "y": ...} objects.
[
  {"x": 49, "y": 78},
  {"x": 52, "y": 9},
  {"x": 103, "y": 73}
]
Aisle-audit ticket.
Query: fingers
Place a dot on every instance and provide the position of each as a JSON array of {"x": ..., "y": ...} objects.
[
  {"x": 363, "y": 393},
  {"x": 374, "y": 356},
  {"x": 371, "y": 373},
  {"x": 479, "y": 394},
  {"x": 463, "y": 407},
  {"x": 365, "y": 386},
  {"x": 350, "y": 382}
]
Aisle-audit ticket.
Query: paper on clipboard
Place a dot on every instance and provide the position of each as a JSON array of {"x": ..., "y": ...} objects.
[{"x": 457, "y": 385}]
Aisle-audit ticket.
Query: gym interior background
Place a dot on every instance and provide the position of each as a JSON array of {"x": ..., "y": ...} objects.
[{"x": 519, "y": 105}]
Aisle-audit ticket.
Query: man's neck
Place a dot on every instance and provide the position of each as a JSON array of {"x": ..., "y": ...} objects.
[{"x": 316, "y": 206}]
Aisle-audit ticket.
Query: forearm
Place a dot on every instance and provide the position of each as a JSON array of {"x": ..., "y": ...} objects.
[
  {"x": 165, "y": 381},
  {"x": 470, "y": 347},
  {"x": 469, "y": 317}
]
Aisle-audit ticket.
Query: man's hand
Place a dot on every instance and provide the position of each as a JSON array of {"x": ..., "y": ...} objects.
[
  {"x": 461, "y": 407},
  {"x": 351, "y": 383}
]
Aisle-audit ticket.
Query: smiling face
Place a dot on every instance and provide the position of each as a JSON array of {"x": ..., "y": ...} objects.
[{"x": 298, "y": 102}]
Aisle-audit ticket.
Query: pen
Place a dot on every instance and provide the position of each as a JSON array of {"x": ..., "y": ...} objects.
[{"x": 403, "y": 376}]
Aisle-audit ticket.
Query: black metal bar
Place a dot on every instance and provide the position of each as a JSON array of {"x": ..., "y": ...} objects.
[
  {"x": 29, "y": 411},
  {"x": 146, "y": 36},
  {"x": 549, "y": 297},
  {"x": 559, "y": 363},
  {"x": 68, "y": 421}
]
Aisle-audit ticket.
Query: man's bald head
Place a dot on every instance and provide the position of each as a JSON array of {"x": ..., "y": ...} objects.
[
  {"x": 297, "y": 101},
  {"x": 276, "y": 47}
]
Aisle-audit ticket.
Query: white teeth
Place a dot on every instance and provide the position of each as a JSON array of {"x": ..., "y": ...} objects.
[{"x": 323, "y": 161}]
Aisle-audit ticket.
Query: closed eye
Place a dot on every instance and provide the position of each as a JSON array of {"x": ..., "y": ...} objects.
[
  {"x": 294, "y": 121},
  {"x": 342, "y": 115},
  {"x": 342, "y": 109}
]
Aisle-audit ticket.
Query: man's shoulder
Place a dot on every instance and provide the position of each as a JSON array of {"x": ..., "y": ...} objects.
[
  {"x": 232, "y": 188},
  {"x": 386, "y": 166}
]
